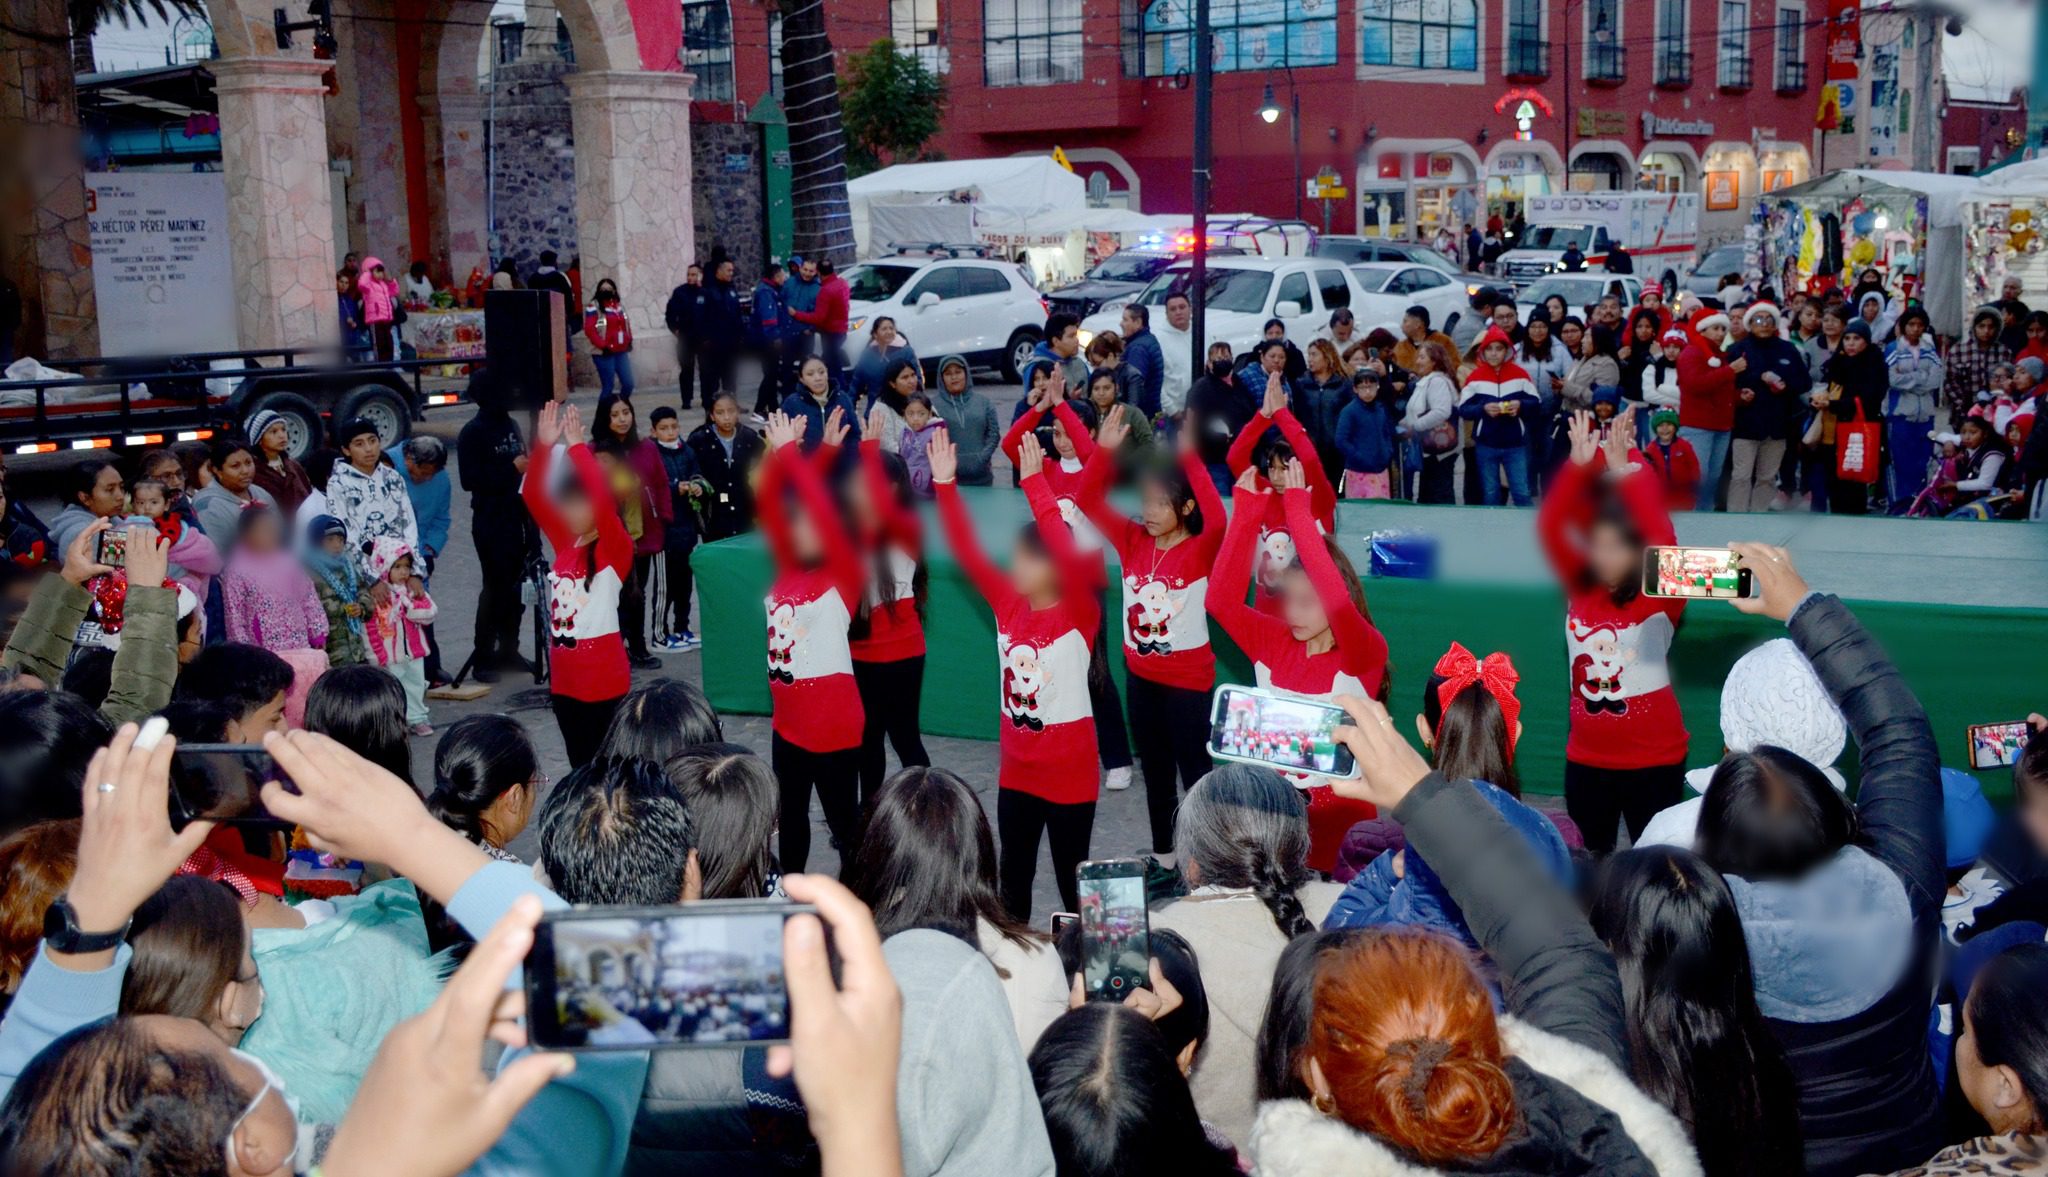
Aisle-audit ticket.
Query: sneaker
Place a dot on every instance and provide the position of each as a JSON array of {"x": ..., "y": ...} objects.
[
  {"x": 1118, "y": 779},
  {"x": 1162, "y": 882},
  {"x": 1782, "y": 502},
  {"x": 422, "y": 729},
  {"x": 688, "y": 641},
  {"x": 644, "y": 662}
]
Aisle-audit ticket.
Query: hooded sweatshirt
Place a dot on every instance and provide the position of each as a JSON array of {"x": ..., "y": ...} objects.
[
  {"x": 372, "y": 506},
  {"x": 965, "y": 1104},
  {"x": 970, "y": 422},
  {"x": 1503, "y": 385},
  {"x": 379, "y": 296},
  {"x": 1706, "y": 385}
]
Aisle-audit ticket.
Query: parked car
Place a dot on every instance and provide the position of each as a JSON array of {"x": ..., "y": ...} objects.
[
  {"x": 1243, "y": 293},
  {"x": 1352, "y": 250},
  {"x": 1115, "y": 280},
  {"x": 985, "y": 310},
  {"x": 1705, "y": 278},
  {"x": 1392, "y": 287},
  {"x": 1579, "y": 290}
]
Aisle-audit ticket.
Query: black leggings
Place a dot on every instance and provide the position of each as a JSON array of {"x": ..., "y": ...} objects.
[
  {"x": 583, "y": 726},
  {"x": 1112, "y": 743},
  {"x": 1020, "y": 818},
  {"x": 836, "y": 776},
  {"x": 676, "y": 567},
  {"x": 1598, "y": 798},
  {"x": 633, "y": 603},
  {"x": 1171, "y": 726},
  {"x": 889, "y": 698}
]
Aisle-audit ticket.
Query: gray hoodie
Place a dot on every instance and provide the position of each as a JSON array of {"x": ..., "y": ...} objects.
[
  {"x": 965, "y": 1103},
  {"x": 971, "y": 423}
]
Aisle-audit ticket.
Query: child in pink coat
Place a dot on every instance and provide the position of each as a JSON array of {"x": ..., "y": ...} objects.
[
  {"x": 269, "y": 601},
  {"x": 396, "y": 625}
]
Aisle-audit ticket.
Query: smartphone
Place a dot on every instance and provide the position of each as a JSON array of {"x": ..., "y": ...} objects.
[
  {"x": 1062, "y": 920},
  {"x": 1694, "y": 572},
  {"x": 1280, "y": 730},
  {"x": 642, "y": 978},
  {"x": 223, "y": 783},
  {"x": 1116, "y": 933},
  {"x": 1998, "y": 745},
  {"x": 112, "y": 549}
]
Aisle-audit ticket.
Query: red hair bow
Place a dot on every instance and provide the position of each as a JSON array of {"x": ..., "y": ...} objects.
[{"x": 1459, "y": 669}]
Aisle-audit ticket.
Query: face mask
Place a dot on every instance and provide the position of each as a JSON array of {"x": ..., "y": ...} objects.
[
  {"x": 1219, "y": 368},
  {"x": 270, "y": 1083}
]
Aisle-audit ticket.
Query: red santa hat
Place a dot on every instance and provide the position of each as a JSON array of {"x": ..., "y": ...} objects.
[
  {"x": 1676, "y": 335},
  {"x": 1768, "y": 309},
  {"x": 1656, "y": 288},
  {"x": 1708, "y": 317}
]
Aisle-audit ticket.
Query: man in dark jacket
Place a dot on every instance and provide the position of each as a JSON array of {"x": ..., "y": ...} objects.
[
  {"x": 547, "y": 277},
  {"x": 1218, "y": 410},
  {"x": 1769, "y": 393},
  {"x": 767, "y": 332},
  {"x": 1143, "y": 357},
  {"x": 722, "y": 326},
  {"x": 685, "y": 315},
  {"x": 490, "y": 458}
]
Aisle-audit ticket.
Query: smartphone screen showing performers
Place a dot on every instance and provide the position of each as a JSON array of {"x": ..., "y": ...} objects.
[
  {"x": 1998, "y": 745},
  {"x": 1116, "y": 948},
  {"x": 1280, "y": 731},
  {"x": 637, "y": 978},
  {"x": 1694, "y": 572}
]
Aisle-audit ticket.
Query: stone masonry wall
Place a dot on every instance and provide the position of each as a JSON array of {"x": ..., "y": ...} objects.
[
  {"x": 534, "y": 164},
  {"x": 725, "y": 162}
]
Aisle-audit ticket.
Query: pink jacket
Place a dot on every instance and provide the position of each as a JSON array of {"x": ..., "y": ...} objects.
[
  {"x": 194, "y": 560},
  {"x": 379, "y": 298},
  {"x": 270, "y": 602},
  {"x": 396, "y": 631}
]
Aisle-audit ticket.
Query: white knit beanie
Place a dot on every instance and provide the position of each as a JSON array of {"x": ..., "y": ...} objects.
[
  {"x": 260, "y": 421},
  {"x": 1772, "y": 696}
]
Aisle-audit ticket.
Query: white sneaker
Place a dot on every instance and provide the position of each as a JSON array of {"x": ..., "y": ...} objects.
[
  {"x": 1118, "y": 779},
  {"x": 1783, "y": 502}
]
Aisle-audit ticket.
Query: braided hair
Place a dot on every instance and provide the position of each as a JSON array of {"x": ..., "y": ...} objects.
[{"x": 1244, "y": 826}]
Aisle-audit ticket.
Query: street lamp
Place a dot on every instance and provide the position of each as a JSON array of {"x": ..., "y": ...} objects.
[{"x": 1269, "y": 110}]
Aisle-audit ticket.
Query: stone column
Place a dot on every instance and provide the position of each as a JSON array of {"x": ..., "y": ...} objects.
[
  {"x": 457, "y": 183},
  {"x": 274, "y": 153},
  {"x": 633, "y": 217}
]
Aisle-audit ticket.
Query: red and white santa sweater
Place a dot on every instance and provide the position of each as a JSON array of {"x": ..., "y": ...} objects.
[
  {"x": 586, "y": 655},
  {"x": 1274, "y": 553},
  {"x": 1355, "y": 665},
  {"x": 892, "y": 546},
  {"x": 1047, "y": 729},
  {"x": 1068, "y": 479},
  {"x": 1165, "y": 605},
  {"x": 810, "y": 605},
  {"x": 1624, "y": 713}
]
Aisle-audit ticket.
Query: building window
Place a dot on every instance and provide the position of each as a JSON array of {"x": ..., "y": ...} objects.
[
  {"x": 1791, "y": 56},
  {"x": 1420, "y": 34},
  {"x": 1674, "y": 57},
  {"x": 1604, "y": 54},
  {"x": 1031, "y": 42},
  {"x": 1527, "y": 50},
  {"x": 914, "y": 26},
  {"x": 1732, "y": 64},
  {"x": 707, "y": 48},
  {"x": 1247, "y": 34}
]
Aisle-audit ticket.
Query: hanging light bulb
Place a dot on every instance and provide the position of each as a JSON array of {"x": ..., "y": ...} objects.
[{"x": 1269, "y": 108}]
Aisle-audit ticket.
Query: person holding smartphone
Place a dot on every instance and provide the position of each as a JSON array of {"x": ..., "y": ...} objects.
[{"x": 1625, "y": 757}]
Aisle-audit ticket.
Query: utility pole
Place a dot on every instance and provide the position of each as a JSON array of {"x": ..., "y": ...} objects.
[{"x": 1199, "y": 295}]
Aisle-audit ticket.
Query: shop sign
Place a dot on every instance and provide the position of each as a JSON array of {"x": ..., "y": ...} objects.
[
  {"x": 1656, "y": 126},
  {"x": 1517, "y": 163},
  {"x": 1723, "y": 190},
  {"x": 1776, "y": 178},
  {"x": 1602, "y": 124},
  {"x": 1442, "y": 166},
  {"x": 1844, "y": 39}
]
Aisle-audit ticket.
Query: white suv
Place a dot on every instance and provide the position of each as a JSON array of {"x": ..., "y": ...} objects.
[
  {"x": 987, "y": 311},
  {"x": 1246, "y": 292}
]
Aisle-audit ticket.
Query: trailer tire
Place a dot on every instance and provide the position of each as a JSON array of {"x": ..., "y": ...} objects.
[
  {"x": 380, "y": 407},
  {"x": 301, "y": 421}
]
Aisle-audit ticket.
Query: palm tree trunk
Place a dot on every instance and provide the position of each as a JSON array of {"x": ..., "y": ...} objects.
[
  {"x": 45, "y": 246},
  {"x": 817, "y": 139}
]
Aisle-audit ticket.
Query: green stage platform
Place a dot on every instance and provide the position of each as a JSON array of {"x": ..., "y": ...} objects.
[{"x": 1963, "y": 608}]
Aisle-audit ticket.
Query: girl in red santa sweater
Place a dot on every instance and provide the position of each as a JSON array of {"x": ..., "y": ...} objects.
[
  {"x": 1166, "y": 558},
  {"x": 588, "y": 674},
  {"x": 1319, "y": 641},
  {"x": 1276, "y": 535},
  {"x": 1045, "y": 629},
  {"x": 1625, "y": 758},
  {"x": 819, "y": 717}
]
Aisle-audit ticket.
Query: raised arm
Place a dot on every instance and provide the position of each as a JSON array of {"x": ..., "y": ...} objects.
[
  {"x": 1567, "y": 506},
  {"x": 1077, "y": 568},
  {"x": 974, "y": 563},
  {"x": 614, "y": 544},
  {"x": 1084, "y": 445},
  {"x": 1239, "y": 459},
  {"x": 1231, "y": 576},
  {"x": 1322, "y": 496},
  {"x": 1208, "y": 503},
  {"x": 898, "y": 522},
  {"x": 1360, "y": 640},
  {"x": 1024, "y": 424},
  {"x": 539, "y": 503},
  {"x": 1117, "y": 529}
]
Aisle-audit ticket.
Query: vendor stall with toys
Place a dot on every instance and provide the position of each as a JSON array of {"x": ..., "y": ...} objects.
[
  {"x": 1906, "y": 225},
  {"x": 2005, "y": 232}
]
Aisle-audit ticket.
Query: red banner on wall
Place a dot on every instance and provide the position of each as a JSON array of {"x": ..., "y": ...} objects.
[{"x": 1844, "y": 34}]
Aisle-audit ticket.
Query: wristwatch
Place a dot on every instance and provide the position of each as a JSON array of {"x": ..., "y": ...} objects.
[{"x": 61, "y": 932}]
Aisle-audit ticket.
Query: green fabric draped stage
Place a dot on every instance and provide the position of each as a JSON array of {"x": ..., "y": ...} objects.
[{"x": 1970, "y": 662}]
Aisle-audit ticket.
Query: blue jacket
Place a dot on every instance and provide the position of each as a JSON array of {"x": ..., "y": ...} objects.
[
  {"x": 721, "y": 320},
  {"x": 769, "y": 322},
  {"x": 1143, "y": 356},
  {"x": 864, "y": 380},
  {"x": 799, "y": 295},
  {"x": 429, "y": 503},
  {"x": 800, "y": 404},
  {"x": 681, "y": 463},
  {"x": 1365, "y": 436},
  {"x": 1767, "y": 415}
]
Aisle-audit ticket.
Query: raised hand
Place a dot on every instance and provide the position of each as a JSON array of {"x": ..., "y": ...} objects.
[
  {"x": 781, "y": 430},
  {"x": 572, "y": 425},
  {"x": 547, "y": 428},
  {"x": 1619, "y": 439},
  {"x": 1056, "y": 388},
  {"x": 1113, "y": 430},
  {"x": 1294, "y": 476},
  {"x": 1780, "y": 586},
  {"x": 1030, "y": 457},
  {"x": 1248, "y": 482},
  {"x": 81, "y": 555},
  {"x": 878, "y": 420},
  {"x": 149, "y": 558},
  {"x": 945, "y": 456},
  {"x": 836, "y": 427},
  {"x": 1276, "y": 396},
  {"x": 1585, "y": 440},
  {"x": 1389, "y": 766}
]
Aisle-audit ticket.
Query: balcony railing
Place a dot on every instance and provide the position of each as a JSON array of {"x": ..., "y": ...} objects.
[
  {"x": 1606, "y": 65},
  {"x": 1528, "y": 58},
  {"x": 1734, "y": 69},
  {"x": 1674, "y": 67},
  {"x": 1791, "y": 77}
]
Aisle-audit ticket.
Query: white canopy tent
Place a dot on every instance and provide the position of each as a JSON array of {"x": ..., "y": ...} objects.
[
  {"x": 2009, "y": 206},
  {"x": 1944, "y": 194},
  {"x": 1011, "y": 200}
]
